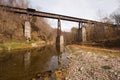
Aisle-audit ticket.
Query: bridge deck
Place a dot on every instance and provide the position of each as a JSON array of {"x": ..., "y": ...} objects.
[{"x": 33, "y": 12}]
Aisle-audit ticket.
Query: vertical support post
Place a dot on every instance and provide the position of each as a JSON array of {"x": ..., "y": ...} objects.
[
  {"x": 92, "y": 33},
  {"x": 58, "y": 35},
  {"x": 59, "y": 28},
  {"x": 79, "y": 37},
  {"x": 27, "y": 31},
  {"x": 27, "y": 28},
  {"x": 59, "y": 38},
  {"x": 59, "y": 43}
]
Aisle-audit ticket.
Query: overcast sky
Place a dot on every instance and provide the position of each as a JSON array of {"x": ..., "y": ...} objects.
[{"x": 87, "y": 9}]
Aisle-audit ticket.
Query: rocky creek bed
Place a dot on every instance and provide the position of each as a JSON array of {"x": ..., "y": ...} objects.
[{"x": 93, "y": 65}]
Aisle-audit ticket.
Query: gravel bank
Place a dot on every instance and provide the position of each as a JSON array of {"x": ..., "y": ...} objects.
[{"x": 86, "y": 65}]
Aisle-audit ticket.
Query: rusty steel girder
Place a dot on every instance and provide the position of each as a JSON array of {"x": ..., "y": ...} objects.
[{"x": 33, "y": 12}]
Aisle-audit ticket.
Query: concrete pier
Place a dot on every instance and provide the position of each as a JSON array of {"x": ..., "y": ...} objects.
[
  {"x": 84, "y": 34},
  {"x": 79, "y": 35},
  {"x": 27, "y": 30},
  {"x": 59, "y": 38},
  {"x": 60, "y": 43}
]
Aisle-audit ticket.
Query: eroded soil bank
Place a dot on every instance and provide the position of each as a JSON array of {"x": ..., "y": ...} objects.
[{"x": 89, "y": 63}]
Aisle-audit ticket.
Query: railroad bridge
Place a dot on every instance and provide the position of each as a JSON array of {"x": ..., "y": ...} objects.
[{"x": 59, "y": 39}]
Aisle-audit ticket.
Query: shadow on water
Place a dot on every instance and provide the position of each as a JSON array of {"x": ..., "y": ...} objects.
[{"x": 24, "y": 65}]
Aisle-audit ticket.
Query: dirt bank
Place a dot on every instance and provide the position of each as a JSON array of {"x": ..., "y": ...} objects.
[{"x": 93, "y": 64}]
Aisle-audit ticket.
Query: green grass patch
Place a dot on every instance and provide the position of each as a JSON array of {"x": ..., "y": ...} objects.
[
  {"x": 32, "y": 41},
  {"x": 3, "y": 47},
  {"x": 13, "y": 45},
  {"x": 106, "y": 67}
]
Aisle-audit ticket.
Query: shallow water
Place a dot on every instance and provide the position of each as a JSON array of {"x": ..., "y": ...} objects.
[{"x": 24, "y": 65}]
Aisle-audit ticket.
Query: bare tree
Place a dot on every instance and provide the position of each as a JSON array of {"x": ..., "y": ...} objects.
[
  {"x": 116, "y": 18},
  {"x": 15, "y": 3},
  {"x": 116, "y": 15}
]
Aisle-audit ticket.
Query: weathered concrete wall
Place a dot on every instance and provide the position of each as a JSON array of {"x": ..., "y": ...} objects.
[
  {"x": 60, "y": 43},
  {"x": 84, "y": 34},
  {"x": 27, "y": 30},
  {"x": 79, "y": 35}
]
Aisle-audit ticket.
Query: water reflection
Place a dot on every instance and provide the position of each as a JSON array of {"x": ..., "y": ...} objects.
[
  {"x": 27, "y": 61},
  {"x": 24, "y": 65},
  {"x": 60, "y": 49}
]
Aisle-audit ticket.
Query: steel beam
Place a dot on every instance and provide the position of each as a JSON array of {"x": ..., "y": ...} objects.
[
  {"x": 33, "y": 12},
  {"x": 79, "y": 36},
  {"x": 59, "y": 28}
]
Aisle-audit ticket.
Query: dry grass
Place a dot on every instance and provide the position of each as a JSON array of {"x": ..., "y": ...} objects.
[
  {"x": 20, "y": 45},
  {"x": 96, "y": 49}
]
